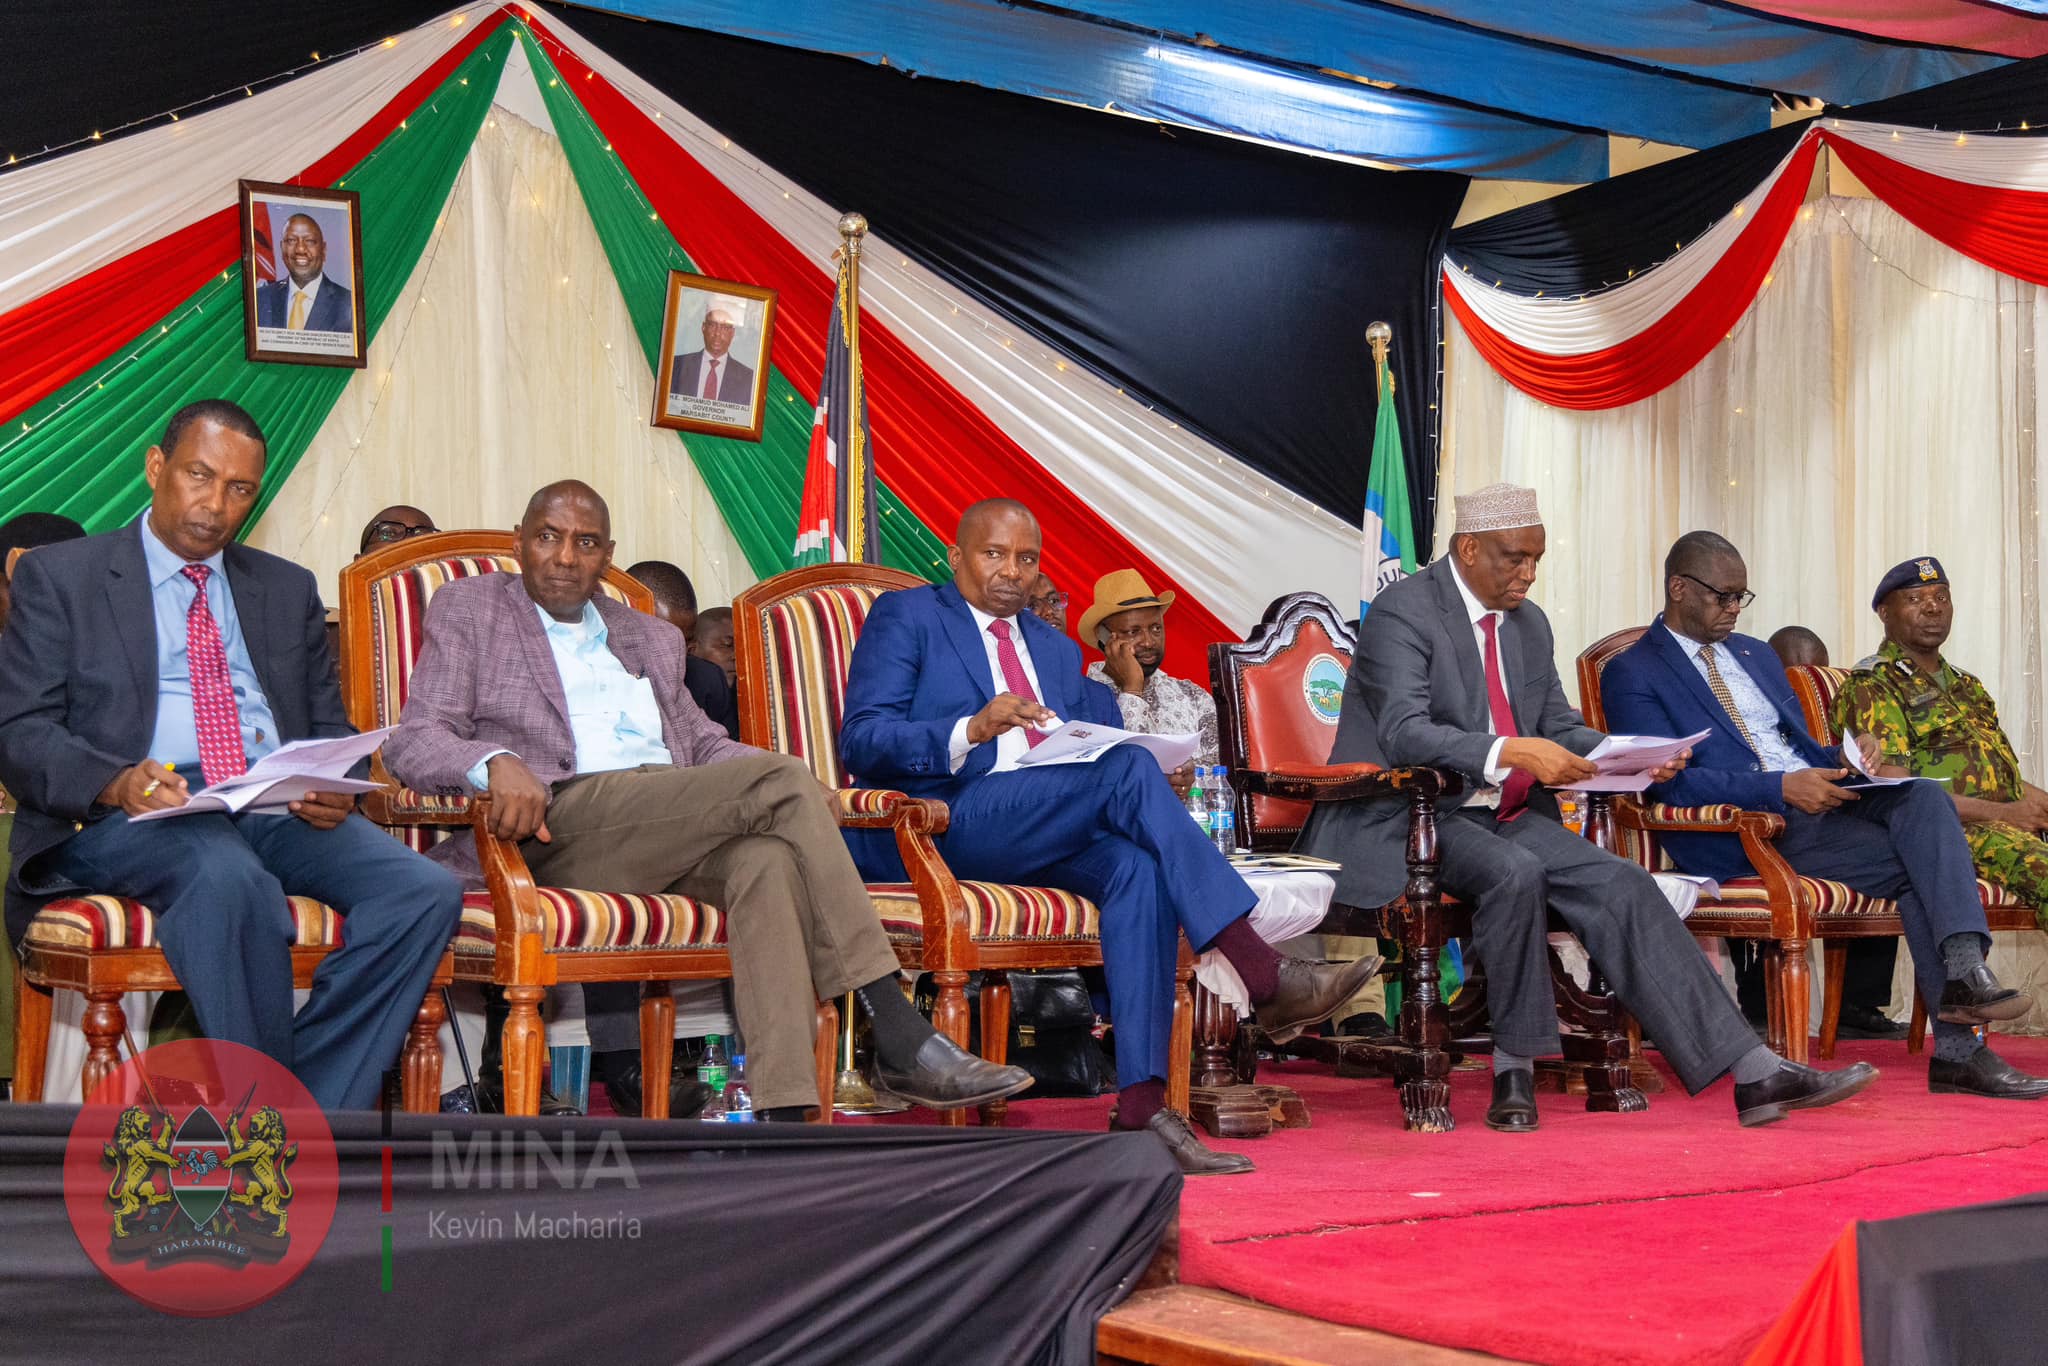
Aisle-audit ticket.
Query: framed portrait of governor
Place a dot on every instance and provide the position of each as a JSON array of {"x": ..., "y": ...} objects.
[
  {"x": 713, "y": 372},
  {"x": 302, "y": 274}
]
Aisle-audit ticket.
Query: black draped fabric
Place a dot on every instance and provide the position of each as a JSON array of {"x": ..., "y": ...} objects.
[
  {"x": 1958, "y": 1285},
  {"x": 79, "y": 66},
  {"x": 1594, "y": 236},
  {"x": 1226, "y": 284},
  {"x": 764, "y": 1244},
  {"x": 1998, "y": 100}
]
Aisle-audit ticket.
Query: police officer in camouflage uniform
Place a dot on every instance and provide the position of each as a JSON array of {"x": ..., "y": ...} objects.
[{"x": 1932, "y": 720}]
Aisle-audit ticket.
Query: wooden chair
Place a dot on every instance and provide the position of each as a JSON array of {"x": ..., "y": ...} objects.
[
  {"x": 1278, "y": 696},
  {"x": 1777, "y": 907},
  {"x": 794, "y": 635},
  {"x": 516, "y": 934}
]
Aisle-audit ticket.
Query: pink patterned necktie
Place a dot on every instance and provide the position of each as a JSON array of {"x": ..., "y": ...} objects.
[
  {"x": 214, "y": 714},
  {"x": 1014, "y": 677},
  {"x": 1514, "y": 792}
]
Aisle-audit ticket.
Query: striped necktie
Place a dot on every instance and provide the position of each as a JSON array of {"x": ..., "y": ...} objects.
[{"x": 1724, "y": 697}]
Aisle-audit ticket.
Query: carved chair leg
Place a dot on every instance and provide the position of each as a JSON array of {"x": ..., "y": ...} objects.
[
  {"x": 32, "y": 1006},
  {"x": 1180, "y": 1043},
  {"x": 826, "y": 1051},
  {"x": 657, "y": 1047},
  {"x": 949, "y": 1017},
  {"x": 995, "y": 1037},
  {"x": 522, "y": 1048},
  {"x": 104, "y": 1024},
  {"x": 1774, "y": 995},
  {"x": 420, "y": 1062},
  {"x": 1916, "y": 1031},
  {"x": 1835, "y": 968},
  {"x": 1796, "y": 992},
  {"x": 1423, "y": 1075},
  {"x": 1600, "y": 1052},
  {"x": 1215, "y": 1032}
]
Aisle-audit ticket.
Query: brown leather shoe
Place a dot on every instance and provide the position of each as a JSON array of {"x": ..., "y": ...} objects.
[
  {"x": 1310, "y": 993},
  {"x": 1195, "y": 1157}
]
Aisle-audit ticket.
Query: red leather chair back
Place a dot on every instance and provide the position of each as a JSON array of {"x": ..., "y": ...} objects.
[{"x": 1277, "y": 699}]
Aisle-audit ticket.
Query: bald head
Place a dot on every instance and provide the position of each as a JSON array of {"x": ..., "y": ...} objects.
[
  {"x": 564, "y": 545},
  {"x": 574, "y": 489},
  {"x": 995, "y": 556}
]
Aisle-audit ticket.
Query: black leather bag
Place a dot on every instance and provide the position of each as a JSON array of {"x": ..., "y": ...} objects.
[{"x": 1052, "y": 1030}]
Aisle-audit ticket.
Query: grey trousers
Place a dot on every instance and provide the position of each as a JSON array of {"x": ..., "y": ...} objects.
[
  {"x": 1514, "y": 872},
  {"x": 755, "y": 837}
]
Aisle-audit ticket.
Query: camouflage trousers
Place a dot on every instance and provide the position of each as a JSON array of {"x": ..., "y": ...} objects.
[{"x": 2015, "y": 859}]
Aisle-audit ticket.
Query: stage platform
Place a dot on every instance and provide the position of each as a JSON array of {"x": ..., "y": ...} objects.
[{"x": 1667, "y": 1237}]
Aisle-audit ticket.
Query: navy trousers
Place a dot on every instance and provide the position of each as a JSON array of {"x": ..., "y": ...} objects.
[
  {"x": 1113, "y": 832},
  {"x": 218, "y": 885}
]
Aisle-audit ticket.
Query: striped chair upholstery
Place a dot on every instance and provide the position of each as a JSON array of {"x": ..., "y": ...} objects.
[
  {"x": 582, "y": 922},
  {"x": 809, "y": 647},
  {"x": 116, "y": 922},
  {"x": 1000, "y": 913}
]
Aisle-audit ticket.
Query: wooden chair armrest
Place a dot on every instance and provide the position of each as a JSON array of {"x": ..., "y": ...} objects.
[
  {"x": 515, "y": 901},
  {"x": 383, "y": 806},
  {"x": 876, "y": 808},
  {"x": 1343, "y": 782},
  {"x": 1758, "y": 831}
]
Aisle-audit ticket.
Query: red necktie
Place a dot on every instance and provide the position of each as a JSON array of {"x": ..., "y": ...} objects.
[
  {"x": 1514, "y": 792},
  {"x": 1014, "y": 677},
  {"x": 214, "y": 714},
  {"x": 710, "y": 378}
]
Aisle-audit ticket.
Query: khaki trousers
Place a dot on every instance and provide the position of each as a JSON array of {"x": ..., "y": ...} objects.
[{"x": 755, "y": 837}]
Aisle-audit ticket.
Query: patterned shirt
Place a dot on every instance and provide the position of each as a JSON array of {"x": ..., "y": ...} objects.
[
  {"x": 1166, "y": 706},
  {"x": 1944, "y": 726}
]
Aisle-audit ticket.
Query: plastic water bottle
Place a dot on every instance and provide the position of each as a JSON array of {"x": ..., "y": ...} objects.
[
  {"x": 739, "y": 1102},
  {"x": 714, "y": 1071},
  {"x": 1198, "y": 802},
  {"x": 1222, "y": 811}
]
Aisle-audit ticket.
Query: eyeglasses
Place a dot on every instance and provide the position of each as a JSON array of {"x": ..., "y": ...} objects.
[
  {"x": 1052, "y": 599},
  {"x": 1722, "y": 596},
  {"x": 384, "y": 533}
]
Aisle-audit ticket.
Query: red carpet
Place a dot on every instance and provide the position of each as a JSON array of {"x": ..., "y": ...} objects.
[{"x": 1665, "y": 1237}]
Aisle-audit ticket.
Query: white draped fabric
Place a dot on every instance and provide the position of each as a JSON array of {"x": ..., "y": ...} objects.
[
  {"x": 508, "y": 362},
  {"x": 1999, "y": 163},
  {"x": 1205, "y": 517},
  {"x": 1879, "y": 401}
]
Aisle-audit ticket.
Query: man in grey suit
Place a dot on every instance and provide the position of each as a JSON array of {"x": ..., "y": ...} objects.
[
  {"x": 571, "y": 711},
  {"x": 712, "y": 373},
  {"x": 1455, "y": 670}
]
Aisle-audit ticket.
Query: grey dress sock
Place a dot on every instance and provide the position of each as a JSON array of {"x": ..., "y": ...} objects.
[
  {"x": 1504, "y": 1061},
  {"x": 1962, "y": 954},
  {"x": 1955, "y": 1042},
  {"x": 1755, "y": 1065}
]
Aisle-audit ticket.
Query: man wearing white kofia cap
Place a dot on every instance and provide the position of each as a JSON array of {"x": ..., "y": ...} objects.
[
  {"x": 714, "y": 373},
  {"x": 1456, "y": 670}
]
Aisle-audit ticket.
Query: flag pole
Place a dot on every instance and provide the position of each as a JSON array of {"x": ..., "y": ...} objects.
[
  {"x": 854, "y": 471},
  {"x": 1381, "y": 336}
]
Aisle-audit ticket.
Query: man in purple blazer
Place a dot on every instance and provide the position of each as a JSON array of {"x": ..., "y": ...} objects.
[{"x": 571, "y": 711}]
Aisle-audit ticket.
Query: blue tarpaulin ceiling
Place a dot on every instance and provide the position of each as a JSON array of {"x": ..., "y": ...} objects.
[{"x": 1481, "y": 87}]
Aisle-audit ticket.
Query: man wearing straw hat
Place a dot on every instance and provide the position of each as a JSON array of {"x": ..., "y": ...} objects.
[
  {"x": 1456, "y": 670},
  {"x": 1127, "y": 622}
]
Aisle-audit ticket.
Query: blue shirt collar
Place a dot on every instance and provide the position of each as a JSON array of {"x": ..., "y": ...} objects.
[
  {"x": 589, "y": 630},
  {"x": 166, "y": 564}
]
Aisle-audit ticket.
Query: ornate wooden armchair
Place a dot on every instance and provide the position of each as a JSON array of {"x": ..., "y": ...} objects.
[
  {"x": 1278, "y": 696},
  {"x": 515, "y": 934},
  {"x": 795, "y": 635}
]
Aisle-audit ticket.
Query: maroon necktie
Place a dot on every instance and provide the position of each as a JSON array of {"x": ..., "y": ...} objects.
[
  {"x": 1514, "y": 792},
  {"x": 710, "y": 378},
  {"x": 214, "y": 714},
  {"x": 1014, "y": 677}
]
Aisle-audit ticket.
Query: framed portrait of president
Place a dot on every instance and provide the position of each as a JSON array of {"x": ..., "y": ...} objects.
[
  {"x": 302, "y": 274},
  {"x": 715, "y": 340}
]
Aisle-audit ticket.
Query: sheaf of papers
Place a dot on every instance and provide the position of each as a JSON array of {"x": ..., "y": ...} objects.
[
  {"x": 1083, "y": 742},
  {"x": 1625, "y": 762},
  {"x": 284, "y": 776},
  {"x": 1852, "y": 755},
  {"x": 1684, "y": 890}
]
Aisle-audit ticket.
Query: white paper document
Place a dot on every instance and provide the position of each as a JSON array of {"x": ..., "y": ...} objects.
[
  {"x": 284, "y": 776},
  {"x": 1684, "y": 890},
  {"x": 1626, "y": 761},
  {"x": 1852, "y": 756},
  {"x": 1083, "y": 742}
]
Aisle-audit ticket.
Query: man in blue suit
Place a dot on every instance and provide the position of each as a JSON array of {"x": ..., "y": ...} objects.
[
  {"x": 1691, "y": 672},
  {"x": 305, "y": 300},
  {"x": 950, "y": 686}
]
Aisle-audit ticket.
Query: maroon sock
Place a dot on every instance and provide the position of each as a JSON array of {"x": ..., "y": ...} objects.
[
  {"x": 1138, "y": 1102},
  {"x": 1252, "y": 956}
]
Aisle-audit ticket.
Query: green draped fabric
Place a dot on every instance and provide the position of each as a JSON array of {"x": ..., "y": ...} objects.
[
  {"x": 758, "y": 486},
  {"x": 81, "y": 454}
]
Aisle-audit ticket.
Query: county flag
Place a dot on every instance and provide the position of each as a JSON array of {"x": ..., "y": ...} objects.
[
  {"x": 1389, "y": 541},
  {"x": 836, "y": 521}
]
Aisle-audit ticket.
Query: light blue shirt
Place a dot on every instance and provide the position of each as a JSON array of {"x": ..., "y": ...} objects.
[
  {"x": 1773, "y": 750},
  {"x": 613, "y": 716},
  {"x": 176, "y": 740}
]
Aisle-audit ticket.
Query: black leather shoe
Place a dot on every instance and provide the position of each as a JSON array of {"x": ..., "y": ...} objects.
[
  {"x": 1862, "y": 1022},
  {"x": 1977, "y": 998},
  {"x": 492, "y": 1089},
  {"x": 1514, "y": 1102},
  {"x": 1795, "y": 1086},
  {"x": 1985, "y": 1074},
  {"x": 623, "y": 1083},
  {"x": 1310, "y": 993},
  {"x": 1370, "y": 1025},
  {"x": 1195, "y": 1157},
  {"x": 945, "y": 1076}
]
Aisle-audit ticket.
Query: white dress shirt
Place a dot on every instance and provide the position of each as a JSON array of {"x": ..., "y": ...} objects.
[
  {"x": 1766, "y": 727},
  {"x": 1011, "y": 744},
  {"x": 1478, "y": 613}
]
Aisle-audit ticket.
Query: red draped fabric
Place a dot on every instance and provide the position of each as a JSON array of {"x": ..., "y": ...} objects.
[
  {"x": 2005, "y": 229},
  {"x": 57, "y": 336},
  {"x": 1823, "y": 1326}
]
